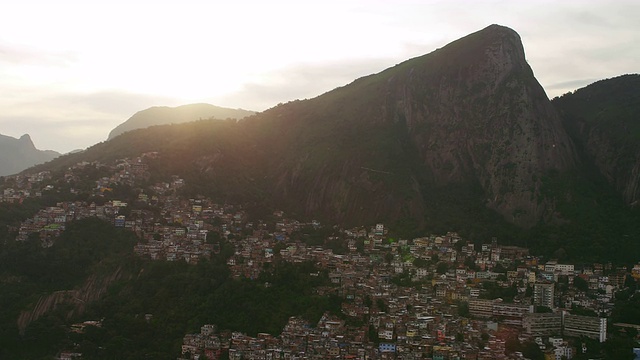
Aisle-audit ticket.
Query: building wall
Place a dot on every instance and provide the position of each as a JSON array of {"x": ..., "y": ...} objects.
[
  {"x": 592, "y": 327},
  {"x": 542, "y": 324},
  {"x": 543, "y": 294}
]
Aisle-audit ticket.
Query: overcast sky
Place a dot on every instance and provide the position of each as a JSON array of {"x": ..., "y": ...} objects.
[{"x": 73, "y": 70}]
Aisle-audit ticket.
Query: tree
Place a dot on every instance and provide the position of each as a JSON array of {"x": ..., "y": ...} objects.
[
  {"x": 580, "y": 284},
  {"x": 367, "y": 301},
  {"x": 373, "y": 335},
  {"x": 499, "y": 268},
  {"x": 532, "y": 351},
  {"x": 442, "y": 267},
  {"x": 543, "y": 309},
  {"x": 388, "y": 257},
  {"x": 470, "y": 263},
  {"x": 421, "y": 263},
  {"x": 463, "y": 309},
  {"x": 618, "y": 347}
]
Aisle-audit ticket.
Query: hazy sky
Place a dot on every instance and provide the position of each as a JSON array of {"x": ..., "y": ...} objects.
[{"x": 73, "y": 70}]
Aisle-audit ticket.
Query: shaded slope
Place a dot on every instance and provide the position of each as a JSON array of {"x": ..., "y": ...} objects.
[{"x": 604, "y": 120}]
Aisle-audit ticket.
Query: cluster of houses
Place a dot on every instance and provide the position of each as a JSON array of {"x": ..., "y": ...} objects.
[
  {"x": 330, "y": 338},
  {"x": 432, "y": 295},
  {"x": 409, "y": 321}
]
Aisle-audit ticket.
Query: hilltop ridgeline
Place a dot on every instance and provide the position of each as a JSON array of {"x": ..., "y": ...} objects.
[{"x": 163, "y": 115}]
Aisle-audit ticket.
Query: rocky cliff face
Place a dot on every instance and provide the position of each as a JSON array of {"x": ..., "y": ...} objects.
[
  {"x": 471, "y": 112},
  {"x": 483, "y": 116},
  {"x": 604, "y": 120},
  {"x": 75, "y": 300}
]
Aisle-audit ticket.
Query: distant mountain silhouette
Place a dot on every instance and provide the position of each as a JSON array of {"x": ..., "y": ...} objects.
[
  {"x": 19, "y": 154},
  {"x": 161, "y": 115}
]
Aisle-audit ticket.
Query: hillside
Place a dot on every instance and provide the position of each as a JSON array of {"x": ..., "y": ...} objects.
[
  {"x": 19, "y": 154},
  {"x": 462, "y": 138},
  {"x": 161, "y": 230},
  {"x": 468, "y": 115},
  {"x": 466, "y": 126},
  {"x": 604, "y": 121},
  {"x": 161, "y": 115}
]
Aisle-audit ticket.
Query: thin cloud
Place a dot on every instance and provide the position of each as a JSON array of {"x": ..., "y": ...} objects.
[{"x": 20, "y": 55}]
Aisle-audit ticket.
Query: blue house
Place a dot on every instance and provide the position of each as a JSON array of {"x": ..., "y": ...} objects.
[{"x": 387, "y": 347}]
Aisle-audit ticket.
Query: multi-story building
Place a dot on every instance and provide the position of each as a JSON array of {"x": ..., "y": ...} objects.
[
  {"x": 589, "y": 326},
  {"x": 542, "y": 324},
  {"x": 565, "y": 269},
  {"x": 481, "y": 307},
  {"x": 543, "y": 294},
  {"x": 511, "y": 313}
]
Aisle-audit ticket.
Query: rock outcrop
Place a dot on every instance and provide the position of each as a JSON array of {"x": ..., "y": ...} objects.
[{"x": 93, "y": 288}]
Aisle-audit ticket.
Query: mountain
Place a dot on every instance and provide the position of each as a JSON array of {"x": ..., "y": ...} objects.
[
  {"x": 604, "y": 121},
  {"x": 160, "y": 115},
  {"x": 462, "y": 139},
  {"x": 19, "y": 154},
  {"x": 463, "y": 131},
  {"x": 470, "y": 115}
]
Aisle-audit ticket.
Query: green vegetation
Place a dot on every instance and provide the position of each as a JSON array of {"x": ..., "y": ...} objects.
[
  {"x": 180, "y": 297},
  {"x": 27, "y": 272}
]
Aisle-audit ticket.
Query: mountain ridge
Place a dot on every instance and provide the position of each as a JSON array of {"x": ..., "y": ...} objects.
[
  {"x": 160, "y": 115},
  {"x": 470, "y": 116}
]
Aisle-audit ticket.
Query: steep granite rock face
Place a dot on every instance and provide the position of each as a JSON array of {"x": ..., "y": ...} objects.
[
  {"x": 19, "y": 154},
  {"x": 483, "y": 116},
  {"x": 604, "y": 120},
  {"x": 469, "y": 113}
]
